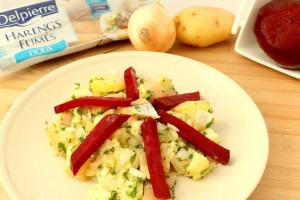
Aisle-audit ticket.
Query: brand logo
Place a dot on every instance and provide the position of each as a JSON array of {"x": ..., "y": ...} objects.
[{"x": 26, "y": 15}]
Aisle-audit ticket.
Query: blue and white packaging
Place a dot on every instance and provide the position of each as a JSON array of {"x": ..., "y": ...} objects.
[{"x": 39, "y": 30}]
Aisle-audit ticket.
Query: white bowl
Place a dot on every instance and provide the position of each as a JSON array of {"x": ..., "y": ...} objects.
[{"x": 246, "y": 43}]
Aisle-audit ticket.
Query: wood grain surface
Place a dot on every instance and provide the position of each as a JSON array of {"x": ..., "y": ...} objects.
[{"x": 277, "y": 96}]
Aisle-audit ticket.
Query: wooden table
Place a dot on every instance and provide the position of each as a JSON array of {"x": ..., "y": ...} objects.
[{"x": 277, "y": 96}]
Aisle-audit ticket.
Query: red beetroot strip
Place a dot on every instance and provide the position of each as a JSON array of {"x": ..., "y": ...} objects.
[
  {"x": 93, "y": 101},
  {"x": 101, "y": 132},
  {"x": 153, "y": 155},
  {"x": 131, "y": 84},
  {"x": 166, "y": 103},
  {"x": 196, "y": 138}
]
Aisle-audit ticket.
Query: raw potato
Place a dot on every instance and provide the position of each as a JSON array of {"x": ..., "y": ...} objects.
[{"x": 203, "y": 26}]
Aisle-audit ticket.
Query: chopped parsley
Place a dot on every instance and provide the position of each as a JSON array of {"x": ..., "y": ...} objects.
[
  {"x": 81, "y": 138},
  {"x": 128, "y": 127},
  {"x": 132, "y": 193},
  {"x": 61, "y": 147},
  {"x": 113, "y": 172},
  {"x": 209, "y": 124},
  {"x": 173, "y": 191},
  {"x": 139, "y": 146},
  {"x": 99, "y": 112},
  {"x": 125, "y": 175},
  {"x": 132, "y": 158},
  {"x": 110, "y": 150},
  {"x": 140, "y": 81},
  {"x": 79, "y": 111},
  {"x": 164, "y": 131},
  {"x": 149, "y": 94},
  {"x": 114, "y": 195}
]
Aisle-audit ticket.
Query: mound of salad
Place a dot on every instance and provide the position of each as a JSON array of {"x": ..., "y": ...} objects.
[{"x": 133, "y": 136}]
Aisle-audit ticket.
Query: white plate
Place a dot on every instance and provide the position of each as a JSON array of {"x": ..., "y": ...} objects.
[
  {"x": 246, "y": 43},
  {"x": 30, "y": 171}
]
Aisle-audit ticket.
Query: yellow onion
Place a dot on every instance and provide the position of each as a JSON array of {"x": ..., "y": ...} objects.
[{"x": 151, "y": 28}]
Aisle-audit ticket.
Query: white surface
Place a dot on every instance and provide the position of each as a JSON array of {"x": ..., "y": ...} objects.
[
  {"x": 30, "y": 172},
  {"x": 175, "y": 6},
  {"x": 246, "y": 43}
]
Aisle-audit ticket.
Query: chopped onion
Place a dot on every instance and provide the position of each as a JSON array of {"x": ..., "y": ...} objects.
[
  {"x": 137, "y": 173},
  {"x": 182, "y": 154}
]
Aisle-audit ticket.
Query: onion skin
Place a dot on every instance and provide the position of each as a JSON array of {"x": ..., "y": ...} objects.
[{"x": 151, "y": 28}]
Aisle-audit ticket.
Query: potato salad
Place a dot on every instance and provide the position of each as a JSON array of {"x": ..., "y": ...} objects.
[{"x": 106, "y": 131}]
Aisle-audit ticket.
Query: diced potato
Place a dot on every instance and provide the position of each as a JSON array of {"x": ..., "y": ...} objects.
[
  {"x": 109, "y": 146},
  {"x": 106, "y": 84},
  {"x": 167, "y": 154},
  {"x": 121, "y": 135},
  {"x": 92, "y": 169},
  {"x": 66, "y": 118},
  {"x": 151, "y": 89},
  {"x": 179, "y": 168},
  {"x": 192, "y": 106},
  {"x": 136, "y": 128},
  {"x": 132, "y": 189},
  {"x": 109, "y": 181},
  {"x": 110, "y": 161},
  {"x": 182, "y": 154},
  {"x": 166, "y": 133},
  {"x": 79, "y": 91},
  {"x": 203, "y": 119},
  {"x": 135, "y": 159},
  {"x": 167, "y": 85},
  {"x": 212, "y": 135},
  {"x": 98, "y": 193},
  {"x": 67, "y": 135},
  {"x": 135, "y": 172},
  {"x": 143, "y": 164},
  {"x": 198, "y": 164},
  {"x": 52, "y": 132},
  {"x": 148, "y": 191},
  {"x": 89, "y": 127},
  {"x": 124, "y": 158}
]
